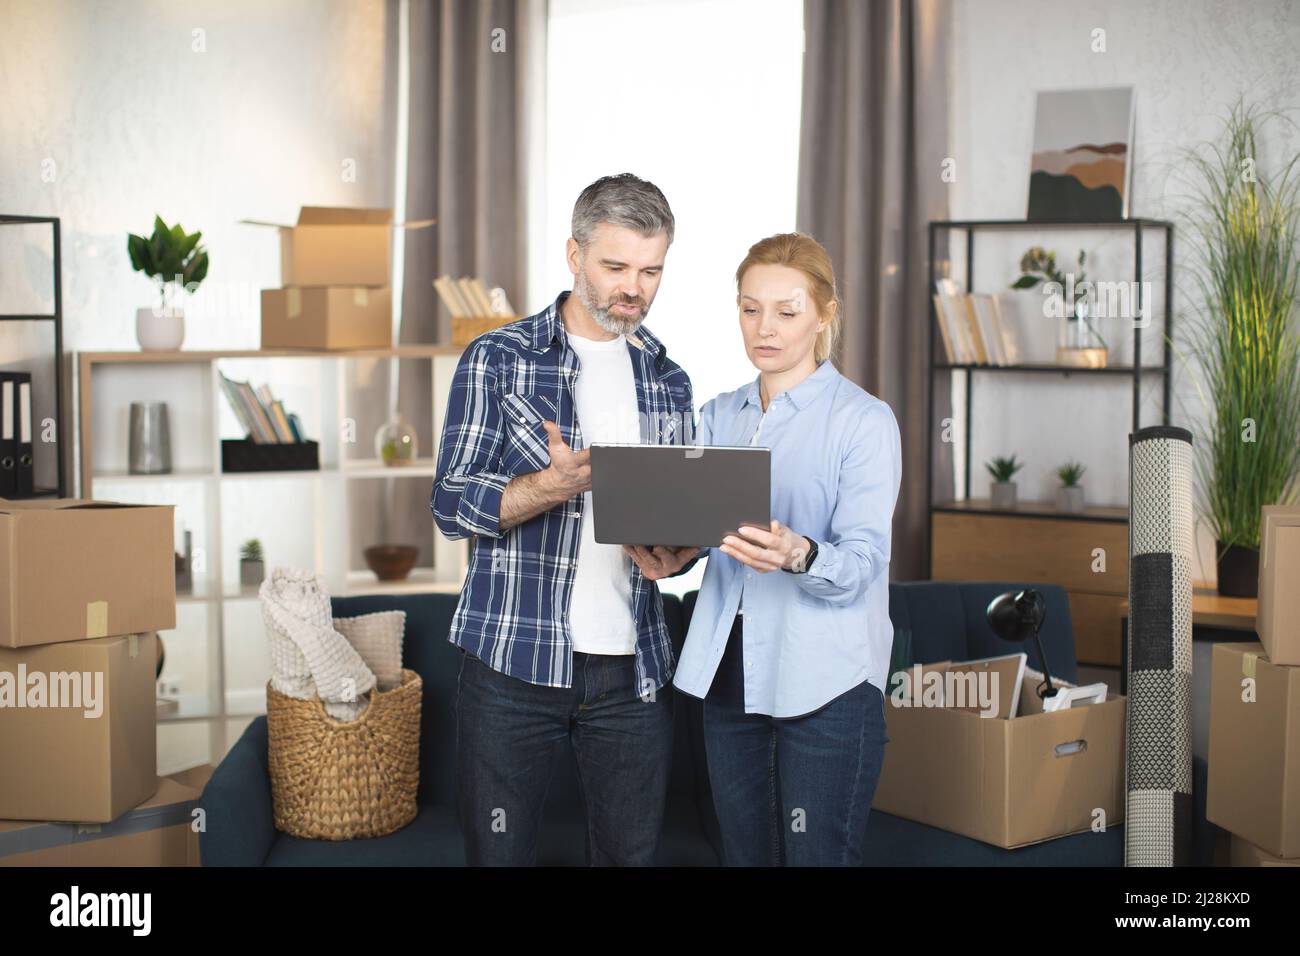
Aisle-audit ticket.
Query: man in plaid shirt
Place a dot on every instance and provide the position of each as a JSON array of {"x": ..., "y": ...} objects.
[{"x": 564, "y": 639}]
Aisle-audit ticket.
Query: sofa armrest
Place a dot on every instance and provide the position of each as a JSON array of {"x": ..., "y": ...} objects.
[{"x": 239, "y": 824}]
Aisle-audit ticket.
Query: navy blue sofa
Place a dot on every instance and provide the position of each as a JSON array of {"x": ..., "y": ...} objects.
[{"x": 945, "y": 622}]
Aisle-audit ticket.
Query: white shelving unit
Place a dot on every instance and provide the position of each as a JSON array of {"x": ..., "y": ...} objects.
[{"x": 316, "y": 520}]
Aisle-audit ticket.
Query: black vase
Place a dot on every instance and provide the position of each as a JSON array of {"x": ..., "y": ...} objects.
[{"x": 1238, "y": 568}]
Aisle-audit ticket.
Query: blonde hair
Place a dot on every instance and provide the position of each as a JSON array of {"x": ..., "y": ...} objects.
[{"x": 804, "y": 253}]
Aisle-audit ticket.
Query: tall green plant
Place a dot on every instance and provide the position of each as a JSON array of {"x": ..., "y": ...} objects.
[{"x": 1244, "y": 340}]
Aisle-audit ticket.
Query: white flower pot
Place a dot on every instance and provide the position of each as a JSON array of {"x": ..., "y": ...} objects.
[
  {"x": 1069, "y": 500},
  {"x": 160, "y": 333},
  {"x": 1003, "y": 495}
]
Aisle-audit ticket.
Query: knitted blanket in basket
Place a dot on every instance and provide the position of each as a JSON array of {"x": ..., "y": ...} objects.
[{"x": 309, "y": 658}]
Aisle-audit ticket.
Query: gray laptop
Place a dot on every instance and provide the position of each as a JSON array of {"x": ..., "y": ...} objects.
[{"x": 678, "y": 495}]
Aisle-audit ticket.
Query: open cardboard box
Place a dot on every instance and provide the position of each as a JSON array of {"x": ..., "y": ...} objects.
[
  {"x": 74, "y": 569},
  {"x": 1006, "y": 781},
  {"x": 337, "y": 245}
]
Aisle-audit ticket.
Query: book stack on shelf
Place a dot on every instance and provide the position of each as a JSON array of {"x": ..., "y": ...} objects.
[
  {"x": 275, "y": 439},
  {"x": 473, "y": 309},
  {"x": 974, "y": 328}
]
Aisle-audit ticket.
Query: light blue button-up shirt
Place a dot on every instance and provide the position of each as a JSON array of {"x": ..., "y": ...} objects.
[{"x": 836, "y": 468}]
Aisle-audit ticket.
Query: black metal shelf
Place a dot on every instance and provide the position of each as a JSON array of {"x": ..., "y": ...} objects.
[
  {"x": 1057, "y": 369},
  {"x": 61, "y": 490},
  {"x": 1135, "y": 371}
]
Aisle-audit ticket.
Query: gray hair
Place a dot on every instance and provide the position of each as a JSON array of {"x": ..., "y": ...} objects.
[{"x": 623, "y": 200}]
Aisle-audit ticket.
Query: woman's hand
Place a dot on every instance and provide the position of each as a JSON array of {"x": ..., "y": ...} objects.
[
  {"x": 767, "y": 550},
  {"x": 659, "y": 561}
]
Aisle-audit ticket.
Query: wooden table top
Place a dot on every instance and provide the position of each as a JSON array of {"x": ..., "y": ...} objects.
[{"x": 1211, "y": 609}]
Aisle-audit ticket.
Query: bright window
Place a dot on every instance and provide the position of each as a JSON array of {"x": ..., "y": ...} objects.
[{"x": 702, "y": 99}]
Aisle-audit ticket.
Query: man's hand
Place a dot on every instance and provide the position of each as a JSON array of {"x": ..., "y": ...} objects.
[
  {"x": 659, "y": 561},
  {"x": 569, "y": 472}
]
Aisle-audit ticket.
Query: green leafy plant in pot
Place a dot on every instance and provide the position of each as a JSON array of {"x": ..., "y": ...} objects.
[
  {"x": 1069, "y": 497},
  {"x": 1002, "y": 492},
  {"x": 1244, "y": 340},
  {"x": 252, "y": 569},
  {"x": 177, "y": 263}
]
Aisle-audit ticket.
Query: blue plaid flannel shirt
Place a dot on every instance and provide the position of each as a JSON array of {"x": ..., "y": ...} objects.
[{"x": 514, "y": 606}]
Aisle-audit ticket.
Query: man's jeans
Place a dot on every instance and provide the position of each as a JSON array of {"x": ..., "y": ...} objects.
[
  {"x": 509, "y": 733},
  {"x": 796, "y": 790}
]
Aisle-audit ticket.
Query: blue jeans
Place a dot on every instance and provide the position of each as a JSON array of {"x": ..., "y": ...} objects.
[
  {"x": 793, "y": 791},
  {"x": 509, "y": 733}
]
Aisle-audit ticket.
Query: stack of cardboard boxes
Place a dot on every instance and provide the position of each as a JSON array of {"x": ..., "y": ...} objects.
[
  {"x": 334, "y": 271},
  {"x": 1254, "y": 758},
  {"x": 84, "y": 587}
]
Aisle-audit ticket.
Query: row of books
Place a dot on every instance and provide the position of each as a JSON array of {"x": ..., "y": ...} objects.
[
  {"x": 469, "y": 298},
  {"x": 974, "y": 328},
  {"x": 261, "y": 414}
]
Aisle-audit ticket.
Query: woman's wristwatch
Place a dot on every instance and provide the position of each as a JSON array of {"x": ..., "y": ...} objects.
[{"x": 808, "y": 560}]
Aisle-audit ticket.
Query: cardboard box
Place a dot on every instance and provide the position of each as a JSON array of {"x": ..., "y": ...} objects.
[
  {"x": 158, "y": 832},
  {"x": 78, "y": 735},
  {"x": 337, "y": 246},
  {"x": 1006, "y": 781},
  {"x": 1245, "y": 853},
  {"x": 1254, "y": 760},
  {"x": 333, "y": 318},
  {"x": 1277, "y": 621},
  {"x": 73, "y": 569}
]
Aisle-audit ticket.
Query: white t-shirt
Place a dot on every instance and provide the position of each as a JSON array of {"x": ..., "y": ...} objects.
[{"x": 600, "y": 609}]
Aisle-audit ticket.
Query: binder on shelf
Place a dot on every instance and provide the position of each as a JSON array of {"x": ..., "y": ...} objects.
[
  {"x": 8, "y": 438},
  {"x": 25, "y": 472}
]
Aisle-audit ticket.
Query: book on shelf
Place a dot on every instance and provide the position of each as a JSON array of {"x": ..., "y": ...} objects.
[
  {"x": 950, "y": 354},
  {"x": 468, "y": 297},
  {"x": 1006, "y": 331},
  {"x": 974, "y": 327},
  {"x": 981, "y": 306},
  {"x": 260, "y": 414},
  {"x": 952, "y": 318}
]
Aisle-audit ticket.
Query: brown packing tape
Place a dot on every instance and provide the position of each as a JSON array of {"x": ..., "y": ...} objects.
[
  {"x": 360, "y": 297},
  {"x": 96, "y": 619},
  {"x": 133, "y": 646},
  {"x": 293, "y": 302}
]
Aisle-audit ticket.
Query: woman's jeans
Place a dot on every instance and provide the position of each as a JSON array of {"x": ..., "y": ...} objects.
[
  {"x": 509, "y": 734},
  {"x": 793, "y": 791}
]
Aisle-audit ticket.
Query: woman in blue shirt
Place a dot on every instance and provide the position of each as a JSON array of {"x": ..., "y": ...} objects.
[{"x": 790, "y": 639}]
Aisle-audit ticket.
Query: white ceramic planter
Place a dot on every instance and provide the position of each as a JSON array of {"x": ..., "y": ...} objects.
[
  {"x": 160, "y": 333},
  {"x": 1003, "y": 495},
  {"x": 1069, "y": 500}
]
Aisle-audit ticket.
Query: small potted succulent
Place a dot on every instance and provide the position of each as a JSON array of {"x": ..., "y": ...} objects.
[
  {"x": 1069, "y": 497},
  {"x": 1003, "y": 492},
  {"x": 177, "y": 263},
  {"x": 252, "y": 569}
]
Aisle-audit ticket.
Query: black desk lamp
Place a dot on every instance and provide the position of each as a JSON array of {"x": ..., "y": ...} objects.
[{"x": 1018, "y": 616}]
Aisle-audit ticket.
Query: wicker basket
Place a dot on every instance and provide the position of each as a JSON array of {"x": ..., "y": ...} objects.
[{"x": 332, "y": 780}]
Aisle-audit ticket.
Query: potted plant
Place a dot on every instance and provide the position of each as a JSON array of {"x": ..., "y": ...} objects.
[
  {"x": 251, "y": 567},
  {"x": 177, "y": 263},
  {"x": 1003, "y": 493},
  {"x": 1248, "y": 447},
  {"x": 1069, "y": 497},
  {"x": 1079, "y": 342}
]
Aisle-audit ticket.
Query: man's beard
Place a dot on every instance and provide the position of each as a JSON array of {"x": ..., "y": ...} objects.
[{"x": 605, "y": 318}]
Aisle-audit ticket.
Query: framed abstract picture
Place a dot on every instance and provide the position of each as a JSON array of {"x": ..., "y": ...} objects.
[{"x": 1082, "y": 160}]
